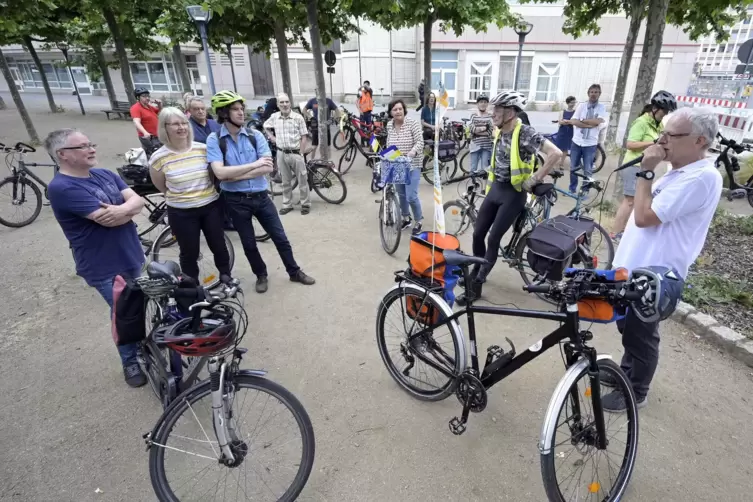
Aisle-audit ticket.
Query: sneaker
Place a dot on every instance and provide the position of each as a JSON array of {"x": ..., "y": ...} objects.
[
  {"x": 134, "y": 377},
  {"x": 614, "y": 402},
  {"x": 406, "y": 223},
  {"x": 262, "y": 283},
  {"x": 607, "y": 380},
  {"x": 305, "y": 210},
  {"x": 304, "y": 279},
  {"x": 416, "y": 228},
  {"x": 285, "y": 210}
]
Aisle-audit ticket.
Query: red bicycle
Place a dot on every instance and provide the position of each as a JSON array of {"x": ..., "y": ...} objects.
[{"x": 354, "y": 137}]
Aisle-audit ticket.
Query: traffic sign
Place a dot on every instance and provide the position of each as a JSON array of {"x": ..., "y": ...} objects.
[
  {"x": 329, "y": 58},
  {"x": 330, "y": 69},
  {"x": 744, "y": 52},
  {"x": 742, "y": 68}
]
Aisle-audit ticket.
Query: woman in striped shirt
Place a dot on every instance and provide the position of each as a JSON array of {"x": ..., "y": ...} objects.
[
  {"x": 405, "y": 134},
  {"x": 179, "y": 169}
]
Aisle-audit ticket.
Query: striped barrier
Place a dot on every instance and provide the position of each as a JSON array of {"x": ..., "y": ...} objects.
[
  {"x": 734, "y": 127},
  {"x": 723, "y": 103}
]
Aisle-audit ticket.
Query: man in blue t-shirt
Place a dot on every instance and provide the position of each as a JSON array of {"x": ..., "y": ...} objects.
[
  {"x": 242, "y": 165},
  {"x": 312, "y": 108},
  {"x": 94, "y": 208},
  {"x": 201, "y": 124}
]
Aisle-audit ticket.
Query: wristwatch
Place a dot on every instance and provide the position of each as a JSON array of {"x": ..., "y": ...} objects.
[{"x": 646, "y": 175}]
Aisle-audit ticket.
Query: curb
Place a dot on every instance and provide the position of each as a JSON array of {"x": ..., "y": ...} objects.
[{"x": 709, "y": 329}]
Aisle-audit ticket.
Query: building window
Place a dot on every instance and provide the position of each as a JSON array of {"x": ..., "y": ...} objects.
[
  {"x": 481, "y": 80},
  {"x": 547, "y": 82},
  {"x": 507, "y": 72},
  {"x": 157, "y": 75},
  {"x": 57, "y": 74},
  {"x": 306, "y": 77}
]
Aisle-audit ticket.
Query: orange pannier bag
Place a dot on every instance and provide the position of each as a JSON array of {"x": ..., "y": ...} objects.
[{"x": 428, "y": 263}]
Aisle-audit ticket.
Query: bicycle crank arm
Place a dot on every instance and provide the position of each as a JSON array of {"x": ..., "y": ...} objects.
[{"x": 457, "y": 425}]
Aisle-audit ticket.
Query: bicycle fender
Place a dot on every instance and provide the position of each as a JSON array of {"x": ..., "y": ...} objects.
[{"x": 560, "y": 393}]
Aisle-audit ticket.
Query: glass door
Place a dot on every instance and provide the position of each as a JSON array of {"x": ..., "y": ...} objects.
[
  {"x": 82, "y": 80},
  {"x": 449, "y": 78},
  {"x": 481, "y": 80},
  {"x": 195, "y": 81},
  {"x": 17, "y": 79}
]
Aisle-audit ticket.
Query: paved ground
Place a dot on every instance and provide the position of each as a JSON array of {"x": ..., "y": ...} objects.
[{"x": 71, "y": 426}]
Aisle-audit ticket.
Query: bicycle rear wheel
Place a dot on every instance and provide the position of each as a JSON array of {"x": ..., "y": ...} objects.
[
  {"x": 599, "y": 247},
  {"x": 341, "y": 138},
  {"x": 403, "y": 312},
  {"x": 389, "y": 223},
  {"x": 274, "y": 439},
  {"x": 458, "y": 217},
  {"x": 599, "y": 159},
  {"x": 150, "y": 221},
  {"x": 15, "y": 194},
  {"x": 447, "y": 170},
  {"x": 465, "y": 163},
  {"x": 571, "y": 444},
  {"x": 328, "y": 185},
  {"x": 166, "y": 248},
  {"x": 347, "y": 159}
]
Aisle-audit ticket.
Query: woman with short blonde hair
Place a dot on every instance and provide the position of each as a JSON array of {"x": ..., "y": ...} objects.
[{"x": 179, "y": 169}]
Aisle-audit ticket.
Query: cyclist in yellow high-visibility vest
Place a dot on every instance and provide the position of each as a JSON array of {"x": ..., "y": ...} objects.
[{"x": 511, "y": 176}]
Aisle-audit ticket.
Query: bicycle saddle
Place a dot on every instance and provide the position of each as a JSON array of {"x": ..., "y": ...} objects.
[
  {"x": 456, "y": 258},
  {"x": 542, "y": 189},
  {"x": 465, "y": 119},
  {"x": 167, "y": 270}
]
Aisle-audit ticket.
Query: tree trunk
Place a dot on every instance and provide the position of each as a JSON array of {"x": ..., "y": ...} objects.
[
  {"x": 636, "y": 16},
  {"x": 120, "y": 51},
  {"x": 427, "y": 52},
  {"x": 321, "y": 91},
  {"x": 102, "y": 62},
  {"x": 652, "y": 43},
  {"x": 3, "y": 106},
  {"x": 34, "y": 56},
  {"x": 181, "y": 68},
  {"x": 282, "y": 51},
  {"x": 33, "y": 136}
]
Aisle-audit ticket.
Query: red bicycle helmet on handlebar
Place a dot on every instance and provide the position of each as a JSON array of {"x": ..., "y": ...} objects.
[{"x": 216, "y": 333}]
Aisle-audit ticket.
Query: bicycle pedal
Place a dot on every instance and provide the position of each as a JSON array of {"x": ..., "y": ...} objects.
[{"x": 457, "y": 426}]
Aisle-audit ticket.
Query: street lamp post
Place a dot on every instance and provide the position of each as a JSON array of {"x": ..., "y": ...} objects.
[
  {"x": 64, "y": 49},
  {"x": 201, "y": 17},
  {"x": 229, "y": 44},
  {"x": 522, "y": 30}
]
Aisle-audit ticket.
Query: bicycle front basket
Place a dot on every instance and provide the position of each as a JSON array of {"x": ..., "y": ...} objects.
[{"x": 395, "y": 172}]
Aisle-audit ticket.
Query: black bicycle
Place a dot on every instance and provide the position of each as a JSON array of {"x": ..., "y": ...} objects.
[
  {"x": 428, "y": 359},
  {"x": 20, "y": 189},
  {"x": 731, "y": 165},
  {"x": 321, "y": 178}
]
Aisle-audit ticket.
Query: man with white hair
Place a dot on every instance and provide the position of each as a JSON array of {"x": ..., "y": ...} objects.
[
  {"x": 288, "y": 131},
  {"x": 202, "y": 125},
  {"x": 668, "y": 228},
  {"x": 95, "y": 208}
]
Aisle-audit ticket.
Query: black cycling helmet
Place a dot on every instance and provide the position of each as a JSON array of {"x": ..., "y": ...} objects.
[
  {"x": 664, "y": 101},
  {"x": 139, "y": 91},
  {"x": 482, "y": 97}
]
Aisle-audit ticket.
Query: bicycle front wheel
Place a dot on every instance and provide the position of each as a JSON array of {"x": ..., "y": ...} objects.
[
  {"x": 273, "y": 445},
  {"x": 447, "y": 170},
  {"x": 598, "y": 250},
  {"x": 166, "y": 248},
  {"x": 389, "y": 223},
  {"x": 328, "y": 185},
  {"x": 465, "y": 163},
  {"x": 600, "y": 158},
  {"x": 573, "y": 464},
  {"x": 347, "y": 159},
  {"x": 341, "y": 139},
  {"x": 458, "y": 217},
  {"x": 23, "y": 200}
]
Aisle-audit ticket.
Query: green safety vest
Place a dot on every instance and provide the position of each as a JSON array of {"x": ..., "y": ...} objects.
[{"x": 519, "y": 170}]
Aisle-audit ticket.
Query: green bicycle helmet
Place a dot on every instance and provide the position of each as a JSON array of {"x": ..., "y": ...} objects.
[{"x": 225, "y": 98}]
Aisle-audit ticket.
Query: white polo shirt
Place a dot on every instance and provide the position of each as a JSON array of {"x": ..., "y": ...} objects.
[
  {"x": 591, "y": 137},
  {"x": 684, "y": 200}
]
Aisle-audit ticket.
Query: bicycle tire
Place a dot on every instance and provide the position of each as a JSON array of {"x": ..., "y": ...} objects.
[
  {"x": 548, "y": 460},
  {"x": 749, "y": 184},
  {"x": 394, "y": 203},
  {"x": 522, "y": 260},
  {"x": 325, "y": 177},
  {"x": 157, "y": 454},
  {"x": 16, "y": 180},
  {"x": 600, "y": 158},
  {"x": 447, "y": 170},
  {"x": 347, "y": 159},
  {"x": 604, "y": 238},
  {"x": 468, "y": 218},
  {"x": 341, "y": 139},
  {"x": 463, "y": 161},
  {"x": 166, "y": 240},
  {"x": 458, "y": 365}
]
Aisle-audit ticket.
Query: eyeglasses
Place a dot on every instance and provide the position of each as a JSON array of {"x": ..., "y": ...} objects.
[
  {"x": 81, "y": 147},
  {"x": 177, "y": 124},
  {"x": 675, "y": 135}
]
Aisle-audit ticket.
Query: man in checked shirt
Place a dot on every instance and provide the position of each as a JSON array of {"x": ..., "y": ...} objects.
[{"x": 292, "y": 138}]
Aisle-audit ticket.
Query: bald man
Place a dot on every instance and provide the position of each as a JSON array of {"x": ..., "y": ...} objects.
[{"x": 292, "y": 139}]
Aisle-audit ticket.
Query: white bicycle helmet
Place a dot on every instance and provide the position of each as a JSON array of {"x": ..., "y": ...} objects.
[{"x": 509, "y": 99}]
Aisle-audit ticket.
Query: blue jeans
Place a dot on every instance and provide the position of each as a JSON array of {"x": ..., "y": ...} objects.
[
  {"x": 408, "y": 195},
  {"x": 578, "y": 153},
  {"x": 104, "y": 287},
  {"x": 482, "y": 156}
]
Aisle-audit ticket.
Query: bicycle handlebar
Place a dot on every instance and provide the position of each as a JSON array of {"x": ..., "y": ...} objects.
[
  {"x": 482, "y": 174},
  {"x": 24, "y": 148},
  {"x": 538, "y": 288}
]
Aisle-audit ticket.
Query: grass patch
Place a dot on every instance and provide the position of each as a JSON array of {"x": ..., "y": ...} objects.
[
  {"x": 606, "y": 206},
  {"x": 723, "y": 220},
  {"x": 702, "y": 289}
]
